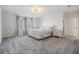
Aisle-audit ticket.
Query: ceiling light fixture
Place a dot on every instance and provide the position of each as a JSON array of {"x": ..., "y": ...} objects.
[{"x": 36, "y": 10}]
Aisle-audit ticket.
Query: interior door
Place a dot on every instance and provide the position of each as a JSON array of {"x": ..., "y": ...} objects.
[{"x": 73, "y": 25}]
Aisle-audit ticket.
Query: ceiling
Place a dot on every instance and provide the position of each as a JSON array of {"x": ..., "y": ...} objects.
[{"x": 26, "y": 9}]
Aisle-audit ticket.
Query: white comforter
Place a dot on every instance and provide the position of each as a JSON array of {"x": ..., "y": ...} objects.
[{"x": 40, "y": 33}]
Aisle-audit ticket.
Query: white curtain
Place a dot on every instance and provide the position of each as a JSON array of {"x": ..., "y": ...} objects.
[{"x": 21, "y": 26}]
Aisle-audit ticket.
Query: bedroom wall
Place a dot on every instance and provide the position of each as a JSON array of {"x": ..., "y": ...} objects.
[
  {"x": 78, "y": 24},
  {"x": 8, "y": 24},
  {"x": 53, "y": 19},
  {"x": 0, "y": 24},
  {"x": 36, "y": 23}
]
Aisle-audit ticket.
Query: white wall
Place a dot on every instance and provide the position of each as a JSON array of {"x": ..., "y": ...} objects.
[
  {"x": 36, "y": 23},
  {"x": 53, "y": 19},
  {"x": 65, "y": 25},
  {"x": 78, "y": 25},
  {"x": 48, "y": 19},
  {"x": 0, "y": 24},
  {"x": 8, "y": 24}
]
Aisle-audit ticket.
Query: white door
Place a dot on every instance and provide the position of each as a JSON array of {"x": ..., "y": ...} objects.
[{"x": 73, "y": 25}]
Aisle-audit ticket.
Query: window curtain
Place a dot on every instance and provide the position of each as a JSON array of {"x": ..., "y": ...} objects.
[{"x": 21, "y": 25}]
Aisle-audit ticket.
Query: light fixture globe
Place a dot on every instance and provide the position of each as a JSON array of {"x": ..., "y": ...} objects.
[{"x": 36, "y": 10}]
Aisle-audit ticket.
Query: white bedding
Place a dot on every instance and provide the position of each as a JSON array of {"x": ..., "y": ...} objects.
[{"x": 40, "y": 33}]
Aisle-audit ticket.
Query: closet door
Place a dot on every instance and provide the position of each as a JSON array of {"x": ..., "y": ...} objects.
[
  {"x": 71, "y": 28},
  {"x": 74, "y": 25}
]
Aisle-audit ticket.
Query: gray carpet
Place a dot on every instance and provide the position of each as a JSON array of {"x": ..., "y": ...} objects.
[{"x": 28, "y": 45}]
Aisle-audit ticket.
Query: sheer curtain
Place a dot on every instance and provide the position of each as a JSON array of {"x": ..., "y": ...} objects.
[
  {"x": 29, "y": 24},
  {"x": 21, "y": 25},
  {"x": 26, "y": 24}
]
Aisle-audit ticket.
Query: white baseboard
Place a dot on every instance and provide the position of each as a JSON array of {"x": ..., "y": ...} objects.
[{"x": 71, "y": 37}]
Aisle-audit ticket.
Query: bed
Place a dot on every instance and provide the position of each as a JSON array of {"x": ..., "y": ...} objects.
[{"x": 40, "y": 33}]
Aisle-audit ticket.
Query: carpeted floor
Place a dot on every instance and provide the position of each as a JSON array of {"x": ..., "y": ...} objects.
[{"x": 28, "y": 45}]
